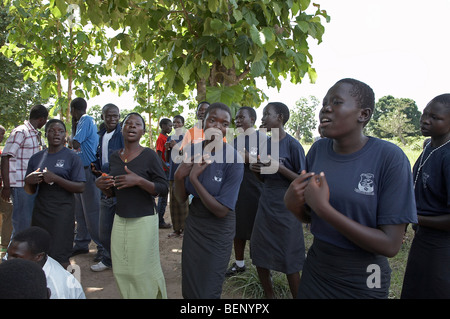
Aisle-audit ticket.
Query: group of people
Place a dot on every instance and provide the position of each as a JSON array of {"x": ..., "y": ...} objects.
[{"x": 357, "y": 192}]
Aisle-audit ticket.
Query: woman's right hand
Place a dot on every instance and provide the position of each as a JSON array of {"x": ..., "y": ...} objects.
[
  {"x": 105, "y": 181},
  {"x": 35, "y": 177},
  {"x": 294, "y": 197}
]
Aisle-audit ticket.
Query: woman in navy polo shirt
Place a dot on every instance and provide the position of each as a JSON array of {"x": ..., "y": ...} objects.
[
  {"x": 56, "y": 174},
  {"x": 213, "y": 178},
  {"x": 360, "y": 193}
]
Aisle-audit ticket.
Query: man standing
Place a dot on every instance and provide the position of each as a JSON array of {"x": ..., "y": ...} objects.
[
  {"x": 23, "y": 142},
  {"x": 5, "y": 209},
  {"x": 111, "y": 140},
  {"x": 87, "y": 204},
  {"x": 166, "y": 128}
]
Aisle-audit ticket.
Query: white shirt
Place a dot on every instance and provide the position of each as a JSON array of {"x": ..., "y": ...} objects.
[
  {"x": 62, "y": 284},
  {"x": 105, "y": 142}
]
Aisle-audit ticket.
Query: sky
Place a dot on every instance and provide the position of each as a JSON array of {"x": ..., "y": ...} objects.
[{"x": 397, "y": 47}]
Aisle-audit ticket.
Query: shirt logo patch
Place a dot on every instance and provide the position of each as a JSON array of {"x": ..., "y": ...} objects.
[
  {"x": 59, "y": 163},
  {"x": 425, "y": 177},
  {"x": 366, "y": 184},
  {"x": 218, "y": 176}
]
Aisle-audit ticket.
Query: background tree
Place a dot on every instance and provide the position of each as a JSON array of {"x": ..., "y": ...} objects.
[
  {"x": 302, "y": 119},
  {"x": 395, "y": 117},
  {"x": 217, "y": 47},
  {"x": 54, "y": 50},
  {"x": 17, "y": 95},
  {"x": 151, "y": 97}
]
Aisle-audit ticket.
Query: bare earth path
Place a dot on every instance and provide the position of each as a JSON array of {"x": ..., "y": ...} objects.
[{"x": 101, "y": 285}]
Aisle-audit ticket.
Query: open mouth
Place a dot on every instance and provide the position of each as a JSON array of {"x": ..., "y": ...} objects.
[{"x": 324, "y": 122}]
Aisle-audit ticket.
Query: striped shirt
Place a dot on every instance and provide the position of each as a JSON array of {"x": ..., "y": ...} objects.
[{"x": 22, "y": 143}]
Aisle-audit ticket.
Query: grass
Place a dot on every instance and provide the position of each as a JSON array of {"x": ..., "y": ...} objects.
[{"x": 247, "y": 286}]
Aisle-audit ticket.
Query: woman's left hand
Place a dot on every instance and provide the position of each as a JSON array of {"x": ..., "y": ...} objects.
[
  {"x": 198, "y": 168},
  {"x": 48, "y": 176}
]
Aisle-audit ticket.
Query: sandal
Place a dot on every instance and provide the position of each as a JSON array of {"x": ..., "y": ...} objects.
[{"x": 175, "y": 234}]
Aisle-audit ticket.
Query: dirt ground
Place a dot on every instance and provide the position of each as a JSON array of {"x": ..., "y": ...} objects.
[{"x": 101, "y": 285}]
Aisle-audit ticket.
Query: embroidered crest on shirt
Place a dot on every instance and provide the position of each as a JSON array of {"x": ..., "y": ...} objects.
[
  {"x": 59, "y": 163},
  {"x": 366, "y": 184},
  {"x": 425, "y": 177},
  {"x": 218, "y": 176}
]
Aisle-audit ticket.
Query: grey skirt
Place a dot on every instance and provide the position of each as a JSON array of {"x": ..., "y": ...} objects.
[
  {"x": 206, "y": 251},
  {"x": 427, "y": 272},
  {"x": 277, "y": 241},
  {"x": 331, "y": 272}
]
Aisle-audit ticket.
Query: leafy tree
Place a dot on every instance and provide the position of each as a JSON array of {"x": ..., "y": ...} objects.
[
  {"x": 395, "y": 117},
  {"x": 302, "y": 118},
  {"x": 150, "y": 94},
  {"x": 217, "y": 47},
  {"x": 17, "y": 95},
  {"x": 53, "y": 49},
  {"x": 396, "y": 124}
]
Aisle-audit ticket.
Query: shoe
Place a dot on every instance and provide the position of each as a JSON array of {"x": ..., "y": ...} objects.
[
  {"x": 79, "y": 252},
  {"x": 234, "y": 270},
  {"x": 175, "y": 234},
  {"x": 164, "y": 225},
  {"x": 99, "y": 267}
]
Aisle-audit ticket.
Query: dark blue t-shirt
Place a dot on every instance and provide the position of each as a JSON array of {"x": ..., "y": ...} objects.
[
  {"x": 64, "y": 163},
  {"x": 222, "y": 178},
  {"x": 432, "y": 188},
  {"x": 372, "y": 186},
  {"x": 289, "y": 152}
]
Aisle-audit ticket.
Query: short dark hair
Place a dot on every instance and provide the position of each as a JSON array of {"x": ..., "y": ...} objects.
[
  {"x": 251, "y": 111},
  {"x": 108, "y": 106},
  {"x": 50, "y": 122},
  {"x": 281, "y": 108},
  {"x": 218, "y": 105},
  {"x": 202, "y": 102},
  {"x": 79, "y": 104},
  {"x": 443, "y": 99},
  {"x": 362, "y": 92},
  {"x": 22, "y": 279},
  {"x": 179, "y": 117},
  {"x": 37, "y": 238},
  {"x": 38, "y": 111},
  {"x": 133, "y": 113},
  {"x": 164, "y": 121}
]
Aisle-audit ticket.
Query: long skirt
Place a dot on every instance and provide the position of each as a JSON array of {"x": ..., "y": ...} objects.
[
  {"x": 331, "y": 272},
  {"x": 135, "y": 258},
  {"x": 54, "y": 211},
  {"x": 427, "y": 272},
  {"x": 206, "y": 251},
  {"x": 247, "y": 204}
]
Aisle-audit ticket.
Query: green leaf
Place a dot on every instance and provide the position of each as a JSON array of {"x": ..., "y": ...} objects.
[
  {"x": 304, "y": 4},
  {"x": 257, "y": 37},
  {"x": 213, "y": 5},
  {"x": 312, "y": 75},
  {"x": 237, "y": 14},
  {"x": 224, "y": 94},
  {"x": 203, "y": 71}
]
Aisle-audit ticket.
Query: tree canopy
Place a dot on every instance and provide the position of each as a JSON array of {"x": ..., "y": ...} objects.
[{"x": 217, "y": 47}]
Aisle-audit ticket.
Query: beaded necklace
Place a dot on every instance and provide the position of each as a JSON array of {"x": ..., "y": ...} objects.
[{"x": 421, "y": 158}]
